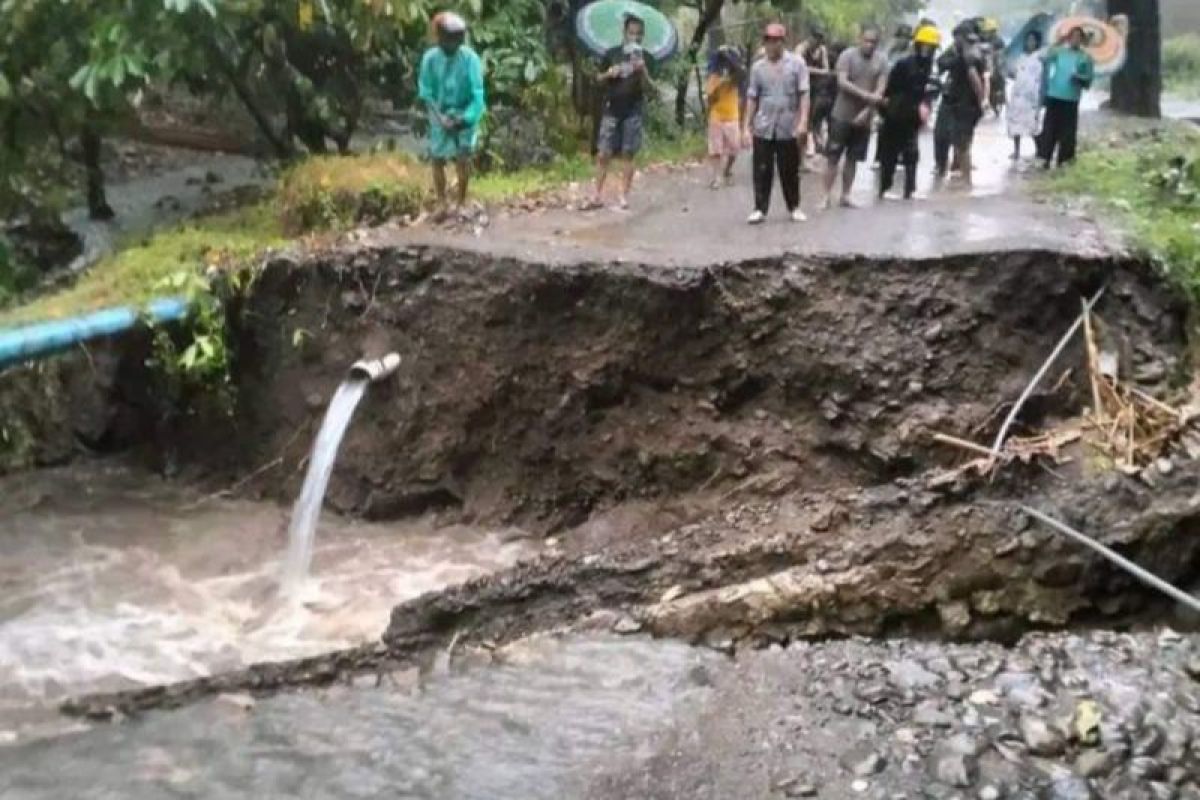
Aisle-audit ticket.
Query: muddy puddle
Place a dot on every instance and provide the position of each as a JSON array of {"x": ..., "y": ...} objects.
[{"x": 113, "y": 579}]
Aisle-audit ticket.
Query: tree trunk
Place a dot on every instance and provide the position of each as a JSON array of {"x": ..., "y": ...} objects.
[
  {"x": 1137, "y": 88},
  {"x": 97, "y": 203},
  {"x": 283, "y": 148},
  {"x": 681, "y": 88},
  {"x": 710, "y": 12}
]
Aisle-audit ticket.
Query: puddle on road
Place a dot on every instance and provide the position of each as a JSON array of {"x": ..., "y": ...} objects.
[
  {"x": 111, "y": 583},
  {"x": 542, "y": 722}
]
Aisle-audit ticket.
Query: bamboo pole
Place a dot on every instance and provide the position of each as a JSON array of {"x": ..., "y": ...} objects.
[
  {"x": 1041, "y": 373},
  {"x": 1143, "y": 575}
]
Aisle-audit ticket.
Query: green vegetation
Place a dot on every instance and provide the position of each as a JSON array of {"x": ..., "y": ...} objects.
[
  {"x": 304, "y": 70},
  {"x": 325, "y": 193},
  {"x": 1152, "y": 186},
  {"x": 15, "y": 275},
  {"x": 332, "y": 192},
  {"x": 136, "y": 273},
  {"x": 1181, "y": 64}
]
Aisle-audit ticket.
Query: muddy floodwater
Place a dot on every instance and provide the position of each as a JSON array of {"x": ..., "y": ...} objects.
[
  {"x": 113, "y": 579},
  {"x": 540, "y": 723}
]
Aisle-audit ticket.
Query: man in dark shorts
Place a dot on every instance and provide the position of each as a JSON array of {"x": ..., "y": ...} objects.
[
  {"x": 962, "y": 103},
  {"x": 861, "y": 77},
  {"x": 823, "y": 83},
  {"x": 624, "y": 75}
]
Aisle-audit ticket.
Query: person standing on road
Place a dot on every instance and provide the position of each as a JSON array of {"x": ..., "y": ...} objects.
[
  {"x": 625, "y": 75},
  {"x": 962, "y": 103},
  {"x": 776, "y": 119},
  {"x": 907, "y": 99},
  {"x": 815, "y": 54},
  {"x": 450, "y": 83},
  {"x": 861, "y": 77},
  {"x": 1069, "y": 71},
  {"x": 901, "y": 45},
  {"x": 724, "y": 114},
  {"x": 997, "y": 69},
  {"x": 1024, "y": 108}
]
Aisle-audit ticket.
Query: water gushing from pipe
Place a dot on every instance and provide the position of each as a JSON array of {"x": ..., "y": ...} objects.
[{"x": 307, "y": 511}]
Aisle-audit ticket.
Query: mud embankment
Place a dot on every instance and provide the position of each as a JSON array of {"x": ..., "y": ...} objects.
[
  {"x": 542, "y": 395},
  {"x": 735, "y": 455}
]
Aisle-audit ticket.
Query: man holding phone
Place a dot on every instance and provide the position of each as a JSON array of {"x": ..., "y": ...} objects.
[{"x": 624, "y": 76}]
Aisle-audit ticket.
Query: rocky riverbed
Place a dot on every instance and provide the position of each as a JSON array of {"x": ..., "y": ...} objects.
[{"x": 1059, "y": 716}]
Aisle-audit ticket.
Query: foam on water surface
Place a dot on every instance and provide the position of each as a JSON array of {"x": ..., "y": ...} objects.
[{"x": 125, "y": 584}]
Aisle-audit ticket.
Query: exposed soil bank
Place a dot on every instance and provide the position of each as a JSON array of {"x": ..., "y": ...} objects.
[
  {"x": 734, "y": 455},
  {"x": 544, "y": 394}
]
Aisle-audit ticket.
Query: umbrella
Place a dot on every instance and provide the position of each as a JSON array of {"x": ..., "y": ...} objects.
[
  {"x": 1105, "y": 40},
  {"x": 1038, "y": 23},
  {"x": 601, "y": 27}
]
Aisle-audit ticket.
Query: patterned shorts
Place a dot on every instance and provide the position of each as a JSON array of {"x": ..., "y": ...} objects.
[
  {"x": 620, "y": 136},
  {"x": 724, "y": 139}
]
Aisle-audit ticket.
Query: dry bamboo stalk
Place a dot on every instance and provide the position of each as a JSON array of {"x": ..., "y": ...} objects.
[
  {"x": 1092, "y": 358},
  {"x": 1132, "y": 446},
  {"x": 1154, "y": 401},
  {"x": 962, "y": 443},
  {"x": 1111, "y": 434},
  {"x": 1041, "y": 373},
  {"x": 1165, "y": 436}
]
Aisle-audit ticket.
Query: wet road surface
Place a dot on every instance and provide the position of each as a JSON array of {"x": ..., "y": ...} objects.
[{"x": 675, "y": 219}]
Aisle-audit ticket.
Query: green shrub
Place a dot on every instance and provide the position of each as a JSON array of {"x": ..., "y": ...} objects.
[
  {"x": 135, "y": 273},
  {"x": 1152, "y": 184},
  {"x": 1181, "y": 62},
  {"x": 332, "y": 192}
]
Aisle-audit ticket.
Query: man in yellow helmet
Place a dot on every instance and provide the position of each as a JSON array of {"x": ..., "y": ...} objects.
[{"x": 907, "y": 99}]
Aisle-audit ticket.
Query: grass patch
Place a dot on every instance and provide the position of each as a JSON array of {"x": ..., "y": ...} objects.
[
  {"x": 1150, "y": 185},
  {"x": 338, "y": 192},
  {"x": 326, "y": 193},
  {"x": 134, "y": 275},
  {"x": 1181, "y": 64}
]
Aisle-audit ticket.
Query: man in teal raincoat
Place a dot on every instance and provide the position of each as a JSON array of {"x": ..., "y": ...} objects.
[{"x": 451, "y": 86}]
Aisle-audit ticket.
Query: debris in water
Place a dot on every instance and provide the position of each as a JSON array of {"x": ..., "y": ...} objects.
[{"x": 242, "y": 702}]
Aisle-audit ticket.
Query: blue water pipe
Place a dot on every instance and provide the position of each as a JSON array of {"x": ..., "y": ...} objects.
[{"x": 32, "y": 342}]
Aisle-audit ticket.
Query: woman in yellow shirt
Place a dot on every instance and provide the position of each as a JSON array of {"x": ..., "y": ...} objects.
[{"x": 724, "y": 114}]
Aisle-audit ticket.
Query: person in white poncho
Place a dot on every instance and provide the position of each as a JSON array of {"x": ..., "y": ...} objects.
[{"x": 1025, "y": 105}]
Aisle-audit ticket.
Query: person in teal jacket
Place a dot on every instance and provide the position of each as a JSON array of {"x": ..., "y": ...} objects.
[
  {"x": 1069, "y": 72},
  {"x": 451, "y": 86}
]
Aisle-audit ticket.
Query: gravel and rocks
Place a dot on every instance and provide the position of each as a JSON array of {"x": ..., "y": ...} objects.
[{"x": 1058, "y": 716}]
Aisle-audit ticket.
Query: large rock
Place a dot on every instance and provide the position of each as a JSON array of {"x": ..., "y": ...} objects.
[
  {"x": 953, "y": 768},
  {"x": 1041, "y": 738}
]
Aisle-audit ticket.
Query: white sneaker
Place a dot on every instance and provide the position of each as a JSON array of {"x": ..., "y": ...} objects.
[
  {"x": 799, "y": 216},
  {"x": 756, "y": 218}
]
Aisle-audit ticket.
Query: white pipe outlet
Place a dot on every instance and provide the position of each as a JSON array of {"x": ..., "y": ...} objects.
[{"x": 376, "y": 369}]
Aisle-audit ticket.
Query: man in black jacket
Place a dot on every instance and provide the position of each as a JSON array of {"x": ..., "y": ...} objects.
[
  {"x": 962, "y": 100},
  {"x": 907, "y": 99}
]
